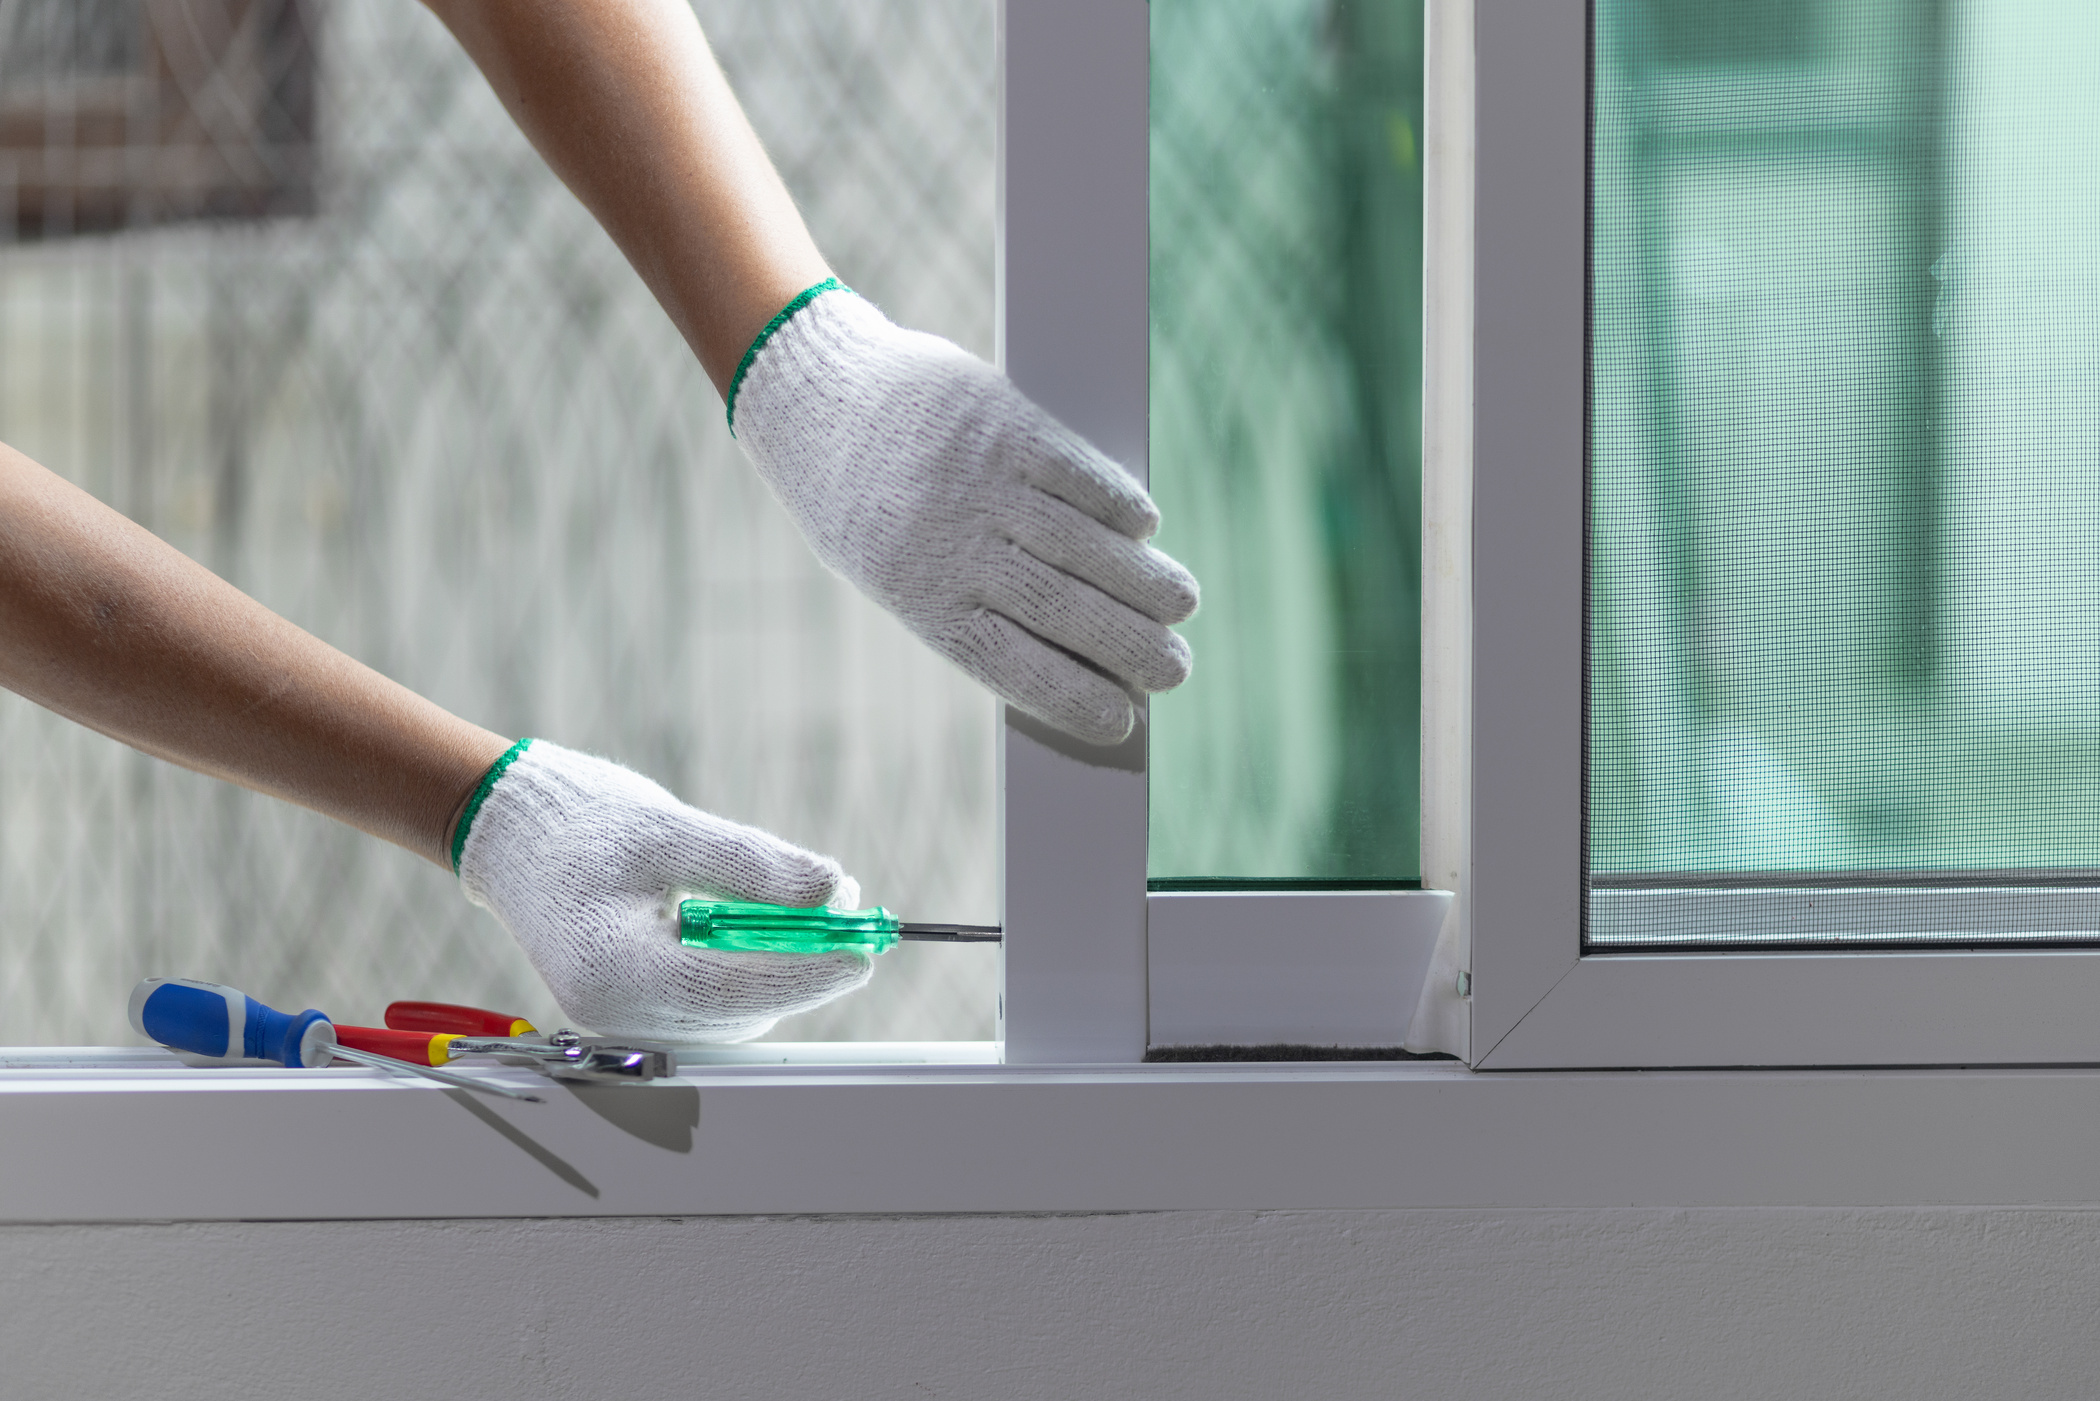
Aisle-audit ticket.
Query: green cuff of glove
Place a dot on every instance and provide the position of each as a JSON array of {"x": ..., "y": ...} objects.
[
  {"x": 481, "y": 795},
  {"x": 743, "y": 366}
]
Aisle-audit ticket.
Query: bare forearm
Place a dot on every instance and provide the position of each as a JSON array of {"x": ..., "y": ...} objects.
[
  {"x": 626, "y": 103},
  {"x": 110, "y": 626}
]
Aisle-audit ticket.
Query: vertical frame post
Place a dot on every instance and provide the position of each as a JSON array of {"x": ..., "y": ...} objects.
[
  {"x": 1443, "y": 1018},
  {"x": 1074, "y": 335},
  {"x": 1530, "y": 340}
]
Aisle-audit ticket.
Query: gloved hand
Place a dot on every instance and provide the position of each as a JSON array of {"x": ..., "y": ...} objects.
[
  {"x": 585, "y": 861},
  {"x": 1002, "y": 539}
]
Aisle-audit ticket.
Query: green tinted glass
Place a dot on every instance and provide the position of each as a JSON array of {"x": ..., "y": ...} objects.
[
  {"x": 1286, "y": 406},
  {"x": 1845, "y": 464}
]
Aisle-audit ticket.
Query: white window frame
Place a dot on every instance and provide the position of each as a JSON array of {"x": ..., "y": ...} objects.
[
  {"x": 122, "y": 1135},
  {"x": 1537, "y": 999},
  {"x": 1073, "y": 332},
  {"x": 1083, "y": 983}
]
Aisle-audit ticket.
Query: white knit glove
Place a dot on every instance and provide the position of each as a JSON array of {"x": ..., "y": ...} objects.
[
  {"x": 1005, "y": 541},
  {"x": 585, "y": 862}
]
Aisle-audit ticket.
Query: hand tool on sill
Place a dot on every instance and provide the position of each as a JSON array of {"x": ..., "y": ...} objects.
[
  {"x": 438, "y": 1032},
  {"x": 452, "y": 1017},
  {"x": 751, "y": 927},
  {"x": 421, "y": 1033},
  {"x": 216, "y": 1022}
]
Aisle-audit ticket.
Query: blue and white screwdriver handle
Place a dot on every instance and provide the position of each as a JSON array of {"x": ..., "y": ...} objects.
[
  {"x": 216, "y": 1023},
  {"x": 225, "y": 1024}
]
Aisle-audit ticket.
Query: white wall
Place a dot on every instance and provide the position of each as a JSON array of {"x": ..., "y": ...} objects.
[{"x": 1315, "y": 1306}]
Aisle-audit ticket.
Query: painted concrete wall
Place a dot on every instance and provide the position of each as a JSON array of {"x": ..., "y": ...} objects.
[{"x": 1314, "y": 1306}]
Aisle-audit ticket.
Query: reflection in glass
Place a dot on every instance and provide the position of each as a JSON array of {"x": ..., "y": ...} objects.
[
  {"x": 1286, "y": 376},
  {"x": 1845, "y": 456}
]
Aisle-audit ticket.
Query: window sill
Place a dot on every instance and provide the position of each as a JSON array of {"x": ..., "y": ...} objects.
[{"x": 132, "y": 1137}]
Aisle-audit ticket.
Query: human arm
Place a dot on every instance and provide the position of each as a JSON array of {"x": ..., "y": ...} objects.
[
  {"x": 914, "y": 470},
  {"x": 628, "y": 106},
  {"x": 110, "y": 626}
]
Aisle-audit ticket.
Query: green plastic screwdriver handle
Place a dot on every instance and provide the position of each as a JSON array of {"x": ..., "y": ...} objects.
[{"x": 749, "y": 927}]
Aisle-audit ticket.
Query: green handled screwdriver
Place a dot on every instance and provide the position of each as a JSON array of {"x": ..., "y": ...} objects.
[{"x": 751, "y": 927}]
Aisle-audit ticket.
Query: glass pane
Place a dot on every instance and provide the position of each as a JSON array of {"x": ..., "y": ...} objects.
[
  {"x": 1286, "y": 434},
  {"x": 1844, "y": 603},
  {"x": 428, "y": 412}
]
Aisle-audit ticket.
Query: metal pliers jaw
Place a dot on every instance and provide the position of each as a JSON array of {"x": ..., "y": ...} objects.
[
  {"x": 568, "y": 1055},
  {"x": 510, "y": 1039}
]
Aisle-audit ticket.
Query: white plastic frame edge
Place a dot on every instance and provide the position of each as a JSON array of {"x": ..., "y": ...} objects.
[
  {"x": 1074, "y": 333},
  {"x": 1537, "y": 1000}
]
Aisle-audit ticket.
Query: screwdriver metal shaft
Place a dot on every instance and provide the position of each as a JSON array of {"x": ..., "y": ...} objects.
[
  {"x": 951, "y": 933},
  {"x": 431, "y": 1072}
]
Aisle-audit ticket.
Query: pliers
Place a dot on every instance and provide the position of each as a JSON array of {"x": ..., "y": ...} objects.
[{"x": 437, "y": 1033}]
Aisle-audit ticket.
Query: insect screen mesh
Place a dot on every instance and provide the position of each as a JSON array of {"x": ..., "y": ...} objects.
[{"x": 1845, "y": 470}]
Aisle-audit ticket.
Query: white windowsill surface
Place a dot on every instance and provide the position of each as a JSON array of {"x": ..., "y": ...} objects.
[{"x": 126, "y": 1135}]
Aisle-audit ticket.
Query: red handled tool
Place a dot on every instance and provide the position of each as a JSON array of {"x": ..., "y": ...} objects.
[
  {"x": 435, "y": 1033},
  {"x": 452, "y": 1017},
  {"x": 422, "y": 1033},
  {"x": 225, "y": 1024},
  {"x": 414, "y": 1047}
]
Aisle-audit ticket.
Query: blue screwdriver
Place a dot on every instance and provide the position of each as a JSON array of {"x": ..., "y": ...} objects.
[{"x": 227, "y": 1025}]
